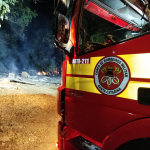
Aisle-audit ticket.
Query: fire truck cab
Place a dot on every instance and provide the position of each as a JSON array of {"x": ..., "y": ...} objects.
[{"x": 104, "y": 98}]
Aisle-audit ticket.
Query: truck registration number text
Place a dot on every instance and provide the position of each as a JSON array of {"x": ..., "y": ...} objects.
[{"x": 80, "y": 61}]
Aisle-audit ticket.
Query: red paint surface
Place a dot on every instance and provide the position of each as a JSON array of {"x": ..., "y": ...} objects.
[
  {"x": 96, "y": 116},
  {"x": 64, "y": 73}
]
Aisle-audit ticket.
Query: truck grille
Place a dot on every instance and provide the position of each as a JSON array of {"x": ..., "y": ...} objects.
[{"x": 83, "y": 144}]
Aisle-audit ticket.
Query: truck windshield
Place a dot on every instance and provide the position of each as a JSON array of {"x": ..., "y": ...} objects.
[{"x": 108, "y": 22}]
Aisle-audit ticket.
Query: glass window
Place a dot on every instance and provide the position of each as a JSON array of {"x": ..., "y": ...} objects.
[
  {"x": 101, "y": 28},
  {"x": 70, "y": 9}
]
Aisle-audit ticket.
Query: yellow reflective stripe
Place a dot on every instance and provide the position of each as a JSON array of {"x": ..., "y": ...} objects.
[
  {"x": 131, "y": 91},
  {"x": 82, "y": 84},
  {"x": 138, "y": 64},
  {"x": 87, "y": 85},
  {"x": 83, "y": 69}
]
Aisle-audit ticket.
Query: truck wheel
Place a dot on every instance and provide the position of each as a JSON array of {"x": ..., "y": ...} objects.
[{"x": 138, "y": 144}]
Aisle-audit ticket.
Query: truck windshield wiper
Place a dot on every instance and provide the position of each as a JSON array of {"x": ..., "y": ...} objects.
[
  {"x": 95, "y": 43},
  {"x": 94, "y": 46},
  {"x": 112, "y": 38}
]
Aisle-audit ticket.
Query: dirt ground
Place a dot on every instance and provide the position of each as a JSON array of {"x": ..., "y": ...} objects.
[{"x": 28, "y": 117}]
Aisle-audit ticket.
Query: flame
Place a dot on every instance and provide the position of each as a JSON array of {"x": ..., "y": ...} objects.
[
  {"x": 54, "y": 71},
  {"x": 44, "y": 73},
  {"x": 39, "y": 73}
]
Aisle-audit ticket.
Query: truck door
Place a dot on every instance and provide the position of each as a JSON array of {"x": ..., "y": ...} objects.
[{"x": 101, "y": 87}]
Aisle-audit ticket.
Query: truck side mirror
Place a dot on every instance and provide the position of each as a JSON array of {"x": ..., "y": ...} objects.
[
  {"x": 61, "y": 6},
  {"x": 62, "y": 33}
]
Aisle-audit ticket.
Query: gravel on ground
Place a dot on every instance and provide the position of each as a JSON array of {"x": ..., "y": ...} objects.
[{"x": 28, "y": 116}]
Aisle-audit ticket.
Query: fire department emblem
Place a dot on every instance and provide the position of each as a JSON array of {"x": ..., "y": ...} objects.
[{"x": 111, "y": 75}]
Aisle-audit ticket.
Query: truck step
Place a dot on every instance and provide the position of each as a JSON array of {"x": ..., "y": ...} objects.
[{"x": 83, "y": 144}]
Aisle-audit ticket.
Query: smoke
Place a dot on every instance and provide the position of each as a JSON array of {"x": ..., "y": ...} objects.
[
  {"x": 13, "y": 68},
  {"x": 35, "y": 51}
]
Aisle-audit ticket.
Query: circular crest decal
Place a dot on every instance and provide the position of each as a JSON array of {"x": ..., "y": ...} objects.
[{"x": 111, "y": 75}]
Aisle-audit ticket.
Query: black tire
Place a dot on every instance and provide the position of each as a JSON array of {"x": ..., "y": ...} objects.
[{"x": 138, "y": 144}]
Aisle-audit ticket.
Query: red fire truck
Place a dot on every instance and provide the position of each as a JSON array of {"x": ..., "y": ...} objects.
[{"x": 104, "y": 99}]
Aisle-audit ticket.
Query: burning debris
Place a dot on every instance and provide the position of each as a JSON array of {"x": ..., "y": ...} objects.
[
  {"x": 49, "y": 73},
  {"x": 42, "y": 73},
  {"x": 12, "y": 80}
]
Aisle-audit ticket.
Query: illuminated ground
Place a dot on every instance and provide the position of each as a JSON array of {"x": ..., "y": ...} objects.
[{"x": 28, "y": 117}]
